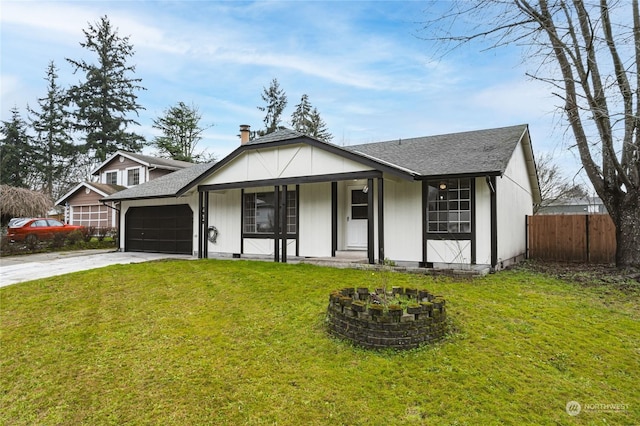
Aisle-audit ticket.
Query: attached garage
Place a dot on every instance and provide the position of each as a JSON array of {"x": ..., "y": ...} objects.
[{"x": 159, "y": 229}]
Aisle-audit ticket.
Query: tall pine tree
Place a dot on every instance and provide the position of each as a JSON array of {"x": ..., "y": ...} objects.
[
  {"x": 306, "y": 119},
  {"x": 318, "y": 128},
  {"x": 276, "y": 102},
  {"x": 107, "y": 98},
  {"x": 54, "y": 149},
  {"x": 301, "y": 117},
  {"x": 16, "y": 153}
]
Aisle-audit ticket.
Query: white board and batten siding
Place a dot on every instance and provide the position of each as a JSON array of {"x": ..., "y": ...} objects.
[
  {"x": 402, "y": 220},
  {"x": 483, "y": 222},
  {"x": 514, "y": 203},
  {"x": 289, "y": 161},
  {"x": 225, "y": 213},
  {"x": 315, "y": 219}
]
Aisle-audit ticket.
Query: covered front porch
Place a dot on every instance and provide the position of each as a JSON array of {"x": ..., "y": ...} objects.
[{"x": 334, "y": 216}]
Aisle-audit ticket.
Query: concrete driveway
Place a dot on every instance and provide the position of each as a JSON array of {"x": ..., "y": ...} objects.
[{"x": 17, "y": 269}]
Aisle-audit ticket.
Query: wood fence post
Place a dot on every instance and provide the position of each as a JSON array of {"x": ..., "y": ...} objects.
[{"x": 587, "y": 242}]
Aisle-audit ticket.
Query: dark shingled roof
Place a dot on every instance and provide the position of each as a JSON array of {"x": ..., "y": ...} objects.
[
  {"x": 161, "y": 162},
  {"x": 164, "y": 186},
  {"x": 479, "y": 151},
  {"x": 476, "y": 152},
  {"x": 107, "y": 188},
  {"x": 277, "y": 136},
  {"x": 158, "y": 162}
]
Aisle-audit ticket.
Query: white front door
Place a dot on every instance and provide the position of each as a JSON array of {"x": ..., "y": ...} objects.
[{"x": 357, "y": 218}]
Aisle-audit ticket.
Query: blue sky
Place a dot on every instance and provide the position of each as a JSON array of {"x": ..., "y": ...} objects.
[{"x": 362, "y": 64}]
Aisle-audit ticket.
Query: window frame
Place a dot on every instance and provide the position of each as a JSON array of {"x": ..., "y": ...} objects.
[
  {"x": 451, "y": 213},
  {"x": 107, "y": 174},
  {"x": 248, "y": 205},
  {"x": 133, "y": 170}
]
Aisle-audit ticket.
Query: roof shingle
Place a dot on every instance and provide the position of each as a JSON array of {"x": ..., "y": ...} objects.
[
  {"x": 467, "y": 153},
  {"x": 164, "y": 186},
  {"x": 480, "y": 151}
]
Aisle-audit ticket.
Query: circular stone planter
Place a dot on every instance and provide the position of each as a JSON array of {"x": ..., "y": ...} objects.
[{"x": 353, "y": 315}]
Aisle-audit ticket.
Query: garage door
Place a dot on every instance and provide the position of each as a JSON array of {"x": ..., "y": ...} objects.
[{"x": 159, "y": 229}]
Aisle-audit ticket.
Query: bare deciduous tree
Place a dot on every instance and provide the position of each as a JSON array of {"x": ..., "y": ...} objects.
[
  {"x": 554, "y": 186},
  {"x": 589, "y": 55}
]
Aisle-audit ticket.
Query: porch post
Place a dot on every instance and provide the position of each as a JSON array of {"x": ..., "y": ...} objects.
[
  {"x": 380, "y": 221},
  {"x": 334, "y": 218},
  {"x": 276, "y": 224},
  {"x": 241, "y": 221},
  {"x": 200, "y": 217},
  {"x": 494, "y": 222},
  {"x": 425, "y": 196},
  {"x": 370, "y": 222},
  {"x": 283, "y": 205},
  {"x": 205, "y": 227}
]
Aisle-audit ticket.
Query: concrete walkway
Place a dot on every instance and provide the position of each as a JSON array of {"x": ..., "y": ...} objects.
[{"x": 17, "y": 269}]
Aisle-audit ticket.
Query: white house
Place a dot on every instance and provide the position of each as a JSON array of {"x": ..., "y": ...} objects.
[{"x": 454, "y": 200}]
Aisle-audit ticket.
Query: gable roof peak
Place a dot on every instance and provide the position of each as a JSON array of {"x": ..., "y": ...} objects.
[
  {"x": 281, "y": 134},
  {"x": 146, "y": 160}
]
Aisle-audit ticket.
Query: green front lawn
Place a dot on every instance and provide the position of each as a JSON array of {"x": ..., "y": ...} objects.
[{"x": 238, "y": 342}]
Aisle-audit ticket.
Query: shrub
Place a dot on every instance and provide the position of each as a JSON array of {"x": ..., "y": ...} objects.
[
  {"x": 75, "y": 237},
  {"x": 87, "y": 233},
  {"x": 6, "y": 247},
  {"x": 31, "y": 241},
  {"x": 102, "y": 232},
  {"x": 58, "y": 240}
]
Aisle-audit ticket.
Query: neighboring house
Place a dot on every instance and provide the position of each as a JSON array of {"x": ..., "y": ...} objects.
[
  {"x": 120, "y": 171},
  {"x": 455, "y": 200},
  {"x": 586, "y": 205}
]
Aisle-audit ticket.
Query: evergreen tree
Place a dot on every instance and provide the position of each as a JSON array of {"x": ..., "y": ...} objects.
[
  {"x": 318, "y": 128},
  {"x": 181, "y": 133},
  {"x": 301, "y": 117},
  {"x": 307, "y": 120},
  {"x": 54, "y": 151},
  {"x": 276, "y": 102},
  {"x": 107, "y": 97},
  {"x": 16, "y": 153}
]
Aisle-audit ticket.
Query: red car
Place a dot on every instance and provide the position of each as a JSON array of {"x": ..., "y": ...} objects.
[{"x": 32, "y": 230}]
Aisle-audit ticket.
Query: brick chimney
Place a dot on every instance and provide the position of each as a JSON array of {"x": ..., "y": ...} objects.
[{"x": 244, "y": 133}]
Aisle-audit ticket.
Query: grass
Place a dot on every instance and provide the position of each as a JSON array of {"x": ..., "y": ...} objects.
[{"x": 237, "y": 342}]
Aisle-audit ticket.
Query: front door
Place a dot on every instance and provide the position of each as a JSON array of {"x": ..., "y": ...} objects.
[{"x": 357, "y": 218}]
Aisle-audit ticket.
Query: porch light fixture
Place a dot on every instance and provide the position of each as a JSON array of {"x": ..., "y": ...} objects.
[
  {"x": 443, "y": 186},
  {"x": 365, "y": 189}
]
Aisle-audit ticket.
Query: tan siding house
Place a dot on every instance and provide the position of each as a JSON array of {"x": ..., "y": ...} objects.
[{"x": 82, "y": 205}]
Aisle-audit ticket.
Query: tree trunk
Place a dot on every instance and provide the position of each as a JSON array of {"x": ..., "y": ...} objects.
[{"x": 628, "y": 232}]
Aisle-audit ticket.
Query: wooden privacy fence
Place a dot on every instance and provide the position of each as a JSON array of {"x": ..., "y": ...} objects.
[{"x": 571, "y": 238}]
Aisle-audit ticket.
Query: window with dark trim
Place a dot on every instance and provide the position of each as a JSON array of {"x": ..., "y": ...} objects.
[
  {"x": 449, "y": 206},
  {"x": 259, "y": 212}
]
